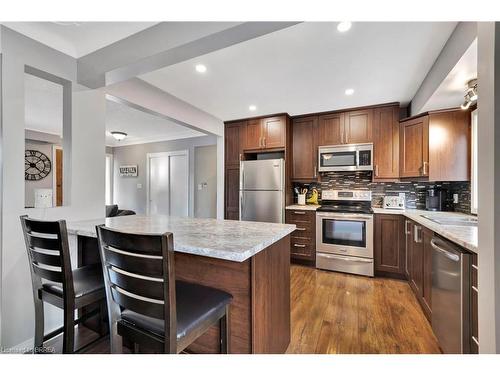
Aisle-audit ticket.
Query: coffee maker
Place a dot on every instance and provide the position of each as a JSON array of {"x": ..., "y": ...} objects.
[{"x": 436, "y": 199}]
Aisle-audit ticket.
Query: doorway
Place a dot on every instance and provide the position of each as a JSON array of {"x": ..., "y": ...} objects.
[{"x": 168, "y": 183}]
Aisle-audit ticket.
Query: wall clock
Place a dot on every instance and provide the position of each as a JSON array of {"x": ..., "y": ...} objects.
[{"x": 36, "y": 165}]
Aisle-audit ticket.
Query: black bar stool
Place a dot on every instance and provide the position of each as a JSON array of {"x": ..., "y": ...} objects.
[
  {"x": 54, "y": 281},
  {"x": 146, "y": 304}
]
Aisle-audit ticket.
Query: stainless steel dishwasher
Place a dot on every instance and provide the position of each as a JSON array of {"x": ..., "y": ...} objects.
[{"x": 450, "y": 295}]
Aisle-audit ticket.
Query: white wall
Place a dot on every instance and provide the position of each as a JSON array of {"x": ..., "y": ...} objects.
[
  {"x": 205, "y": 181},
  {"x": 125, "y": 191},
  {"x": 489, "y": 186},
  {"x": 87, "y": 181}
]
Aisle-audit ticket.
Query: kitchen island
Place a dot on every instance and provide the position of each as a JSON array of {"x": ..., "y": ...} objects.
[{"x": 249, "y": 260}]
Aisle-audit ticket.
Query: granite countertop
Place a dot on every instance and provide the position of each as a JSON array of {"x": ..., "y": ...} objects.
[
  {"x": 223, "y": 239},
  {"x": 307, "y": 207},
  {"x": 465, "y": 236}
]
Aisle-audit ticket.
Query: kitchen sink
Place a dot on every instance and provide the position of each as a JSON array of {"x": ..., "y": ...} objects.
[{"x": 452, "y": 220}]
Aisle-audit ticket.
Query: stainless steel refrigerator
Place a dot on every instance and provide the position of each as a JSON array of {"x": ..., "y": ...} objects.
[{"x": 262, "y": 190}]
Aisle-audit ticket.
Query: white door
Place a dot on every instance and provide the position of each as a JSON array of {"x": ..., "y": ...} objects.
[{"x": 168, "y": 183}]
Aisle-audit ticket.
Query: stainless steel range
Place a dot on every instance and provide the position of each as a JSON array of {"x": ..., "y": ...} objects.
[{"x": 344, "y": 232}]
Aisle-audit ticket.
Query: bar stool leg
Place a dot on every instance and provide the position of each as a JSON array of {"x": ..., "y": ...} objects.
[
  {"x": 224, "y": 332},
  {"x": 69, "y": 330},
  {"x": 39, "y": 324}
]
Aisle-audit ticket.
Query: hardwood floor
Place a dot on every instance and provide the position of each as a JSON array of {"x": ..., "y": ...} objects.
[{"x": 339, "y": 313}]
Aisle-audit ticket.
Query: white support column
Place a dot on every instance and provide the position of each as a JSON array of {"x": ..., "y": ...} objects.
[
  {"x": 489, "y": 186},
  {"x": 220, "y": 177}
]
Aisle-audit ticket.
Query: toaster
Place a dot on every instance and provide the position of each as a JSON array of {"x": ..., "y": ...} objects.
[{"x": 394, "y": 202}]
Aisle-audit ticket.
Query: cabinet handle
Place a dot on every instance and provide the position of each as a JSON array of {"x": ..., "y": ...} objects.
[
  {"x": 299, "y": 212},
  {"x": 298, "y": 245},
  {"x": 315, "y": 171},
  {"x": 301, "y": 229},
  {"x": 475, "y": 267},
  {"x": 475, "y": 289},
  {"x": 424, "y": 168},
  {"x": 264, "y": 141},
  {"x": 416, "y": 236},
  {"x": 376, "y": 170},
  {"x": 476, "y": 341},
  {"x": 406, "y": 227}
]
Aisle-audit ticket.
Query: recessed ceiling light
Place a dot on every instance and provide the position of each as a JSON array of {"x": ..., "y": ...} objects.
[
  {"x": 252, "y": 108},
  {"x": 344, "y": 26},
  {"x": 200, "y": 68},
  {"x": 349, "y": 91}
]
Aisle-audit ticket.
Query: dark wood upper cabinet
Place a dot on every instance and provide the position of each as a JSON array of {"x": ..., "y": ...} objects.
[
  {"x": 449, "y": 146},
  {"x": 266, "y": 133},
  {"x": 331, "y": 129},
  {"x": 386, "y": 143},
  {"x": 233, "y": 142},
  {"x": 436, "y": 145},
  {"x": 253, "y": 134},
  {"x": 389, "y": 245},
  {"x": 304, "y": 148},
  {"x": 414, "y": 147},
  {"x": 358, "y": 126},
  {"x": 273, "y": 132}
]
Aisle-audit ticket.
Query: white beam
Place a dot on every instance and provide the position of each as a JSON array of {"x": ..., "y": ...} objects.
[
  {"x": 165, "y": 44},
  {"x": 459, "y": 41},
  {"x": 151, "y": 98}
]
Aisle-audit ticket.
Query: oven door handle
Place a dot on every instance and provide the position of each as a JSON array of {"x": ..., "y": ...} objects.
[
  {"x": 349, "y": 259},
  {"x": 345, "y": 216}
]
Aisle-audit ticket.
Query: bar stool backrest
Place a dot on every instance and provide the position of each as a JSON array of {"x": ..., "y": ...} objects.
[
  {"x": 139, "y": 276},
  {"x": 48, "y": 254}
]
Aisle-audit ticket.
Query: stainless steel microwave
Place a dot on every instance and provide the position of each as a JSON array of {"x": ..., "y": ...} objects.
[{"x": 353, "y": 157}]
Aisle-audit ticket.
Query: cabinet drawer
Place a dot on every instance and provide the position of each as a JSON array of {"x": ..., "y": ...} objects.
[
  {"x": 304, "y": 230},
  {"x": 300, "y": 216},
  {"x": 302, "y": 247}
]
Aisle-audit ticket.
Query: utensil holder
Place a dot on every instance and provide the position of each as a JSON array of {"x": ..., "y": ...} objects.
[{"x": 301, "y": 199}]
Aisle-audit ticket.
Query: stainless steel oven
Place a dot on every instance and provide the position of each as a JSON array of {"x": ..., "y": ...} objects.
[
  {"x": 344, "y": 235},
  {"x": 354, "y": 157}
]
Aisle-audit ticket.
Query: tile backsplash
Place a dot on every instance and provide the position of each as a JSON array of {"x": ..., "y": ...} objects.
[{"x": 415, "y": 192}]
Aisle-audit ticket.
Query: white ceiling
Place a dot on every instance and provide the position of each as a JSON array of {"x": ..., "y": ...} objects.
[
  {"x": 78, "y": 38},
  {"x": 307, "y": 67},
  {"x": 43, "y": 105},
  {"x": 451, "y": 91},
  {"x": 43, "y": 113},
  {"x": 141, "y": 127}
]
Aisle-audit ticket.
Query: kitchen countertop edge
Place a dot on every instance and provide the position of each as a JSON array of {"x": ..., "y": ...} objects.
[
  {"x": 203, "y": 251},
  {"x": 450, "y": 232}
]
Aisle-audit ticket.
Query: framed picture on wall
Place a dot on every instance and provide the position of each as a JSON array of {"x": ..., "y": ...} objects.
[{"x": 128, "y": 170}]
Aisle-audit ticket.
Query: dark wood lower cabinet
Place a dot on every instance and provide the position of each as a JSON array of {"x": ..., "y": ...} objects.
[
  {"x": 427, "y": 272},
  {"x": 389, "y": 246},
  {"x": 303, "y": 239},
  {"x": 474, "y": 339},
  {"x": 420, "y": 265},
  {"x": 417, "y": 261},
  {"x": 232, "y": 193}
]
